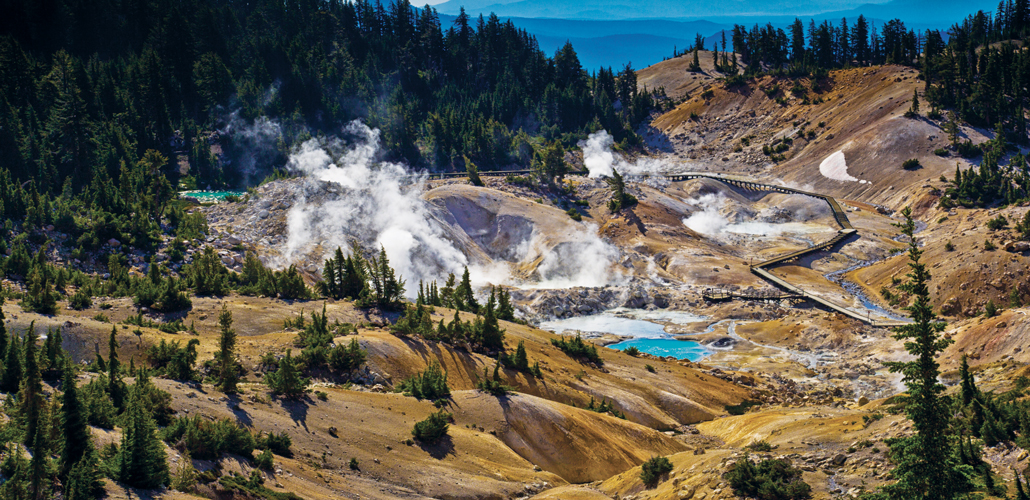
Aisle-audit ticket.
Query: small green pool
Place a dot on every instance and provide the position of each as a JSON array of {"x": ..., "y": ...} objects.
[{"x": 211, "y": 196}]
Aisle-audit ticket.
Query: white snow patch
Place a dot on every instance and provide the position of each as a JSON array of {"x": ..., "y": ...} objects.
[{"x": 836, "y": 168}]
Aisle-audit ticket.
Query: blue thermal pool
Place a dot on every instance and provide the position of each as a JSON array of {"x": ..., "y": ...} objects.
[
  {"x": 649, "y": 337},
  {"x": 679, "y": 349},
  {"x": 211, "y": 196}
]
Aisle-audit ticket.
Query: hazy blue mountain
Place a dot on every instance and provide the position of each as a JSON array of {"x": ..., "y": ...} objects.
[
  {"x": 655, "y": 9},
  {"x": 614, "y": 43},
  {"x": 616, "y": 50},
  {"x": 612, "y": 32},
  {"x": 941, "y": 13}
]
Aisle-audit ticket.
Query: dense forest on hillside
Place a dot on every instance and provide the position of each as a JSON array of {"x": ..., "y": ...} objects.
[
  {"x": 971, "y": 73},
  {"x": 103, "y": 104},
  {"x": 87, "y": 85},
  {"x": 978, "y": 76}
]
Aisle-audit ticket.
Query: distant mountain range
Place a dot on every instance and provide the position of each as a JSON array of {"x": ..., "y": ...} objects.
[
  {"x": 655, "y": 9},
  {"x": 614, "y": 32}
]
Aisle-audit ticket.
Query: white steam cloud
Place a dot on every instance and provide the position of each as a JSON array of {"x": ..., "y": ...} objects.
[
  {"x": 708, "y": 220},
  {"x": 600, "y": 160},
  {"x": 789, "y": 216},
  {"x": 374, "y": 202},
  {"x": 348, "y": 195},
  {"x": 586, "y": 260},
  {"x": 255, "y": 145}
]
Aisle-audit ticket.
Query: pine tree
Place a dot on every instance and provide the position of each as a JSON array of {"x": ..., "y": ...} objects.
[
  {"x": 226, "y": 356},
  {"x": 491, "y": 336},
  {"x": 620, "y": 198},
  {"x": 505, "y": 311},
  {"x": 969, "y": 390},
  {"x": 520, "y": 360},
  {"x": 926, "y": 465},
  {"x": 73, "y": 423},
  {"x": 39, "y": 480},
  {"x": 3, "y": 337},
  {"x": 84, "y": 479},
  {"x": 17, "y": 485},
  {"x": 473, "y": 172},
  {"x": 185, "y": 479},
  {"x": 115, "y": 384},
  {"x": 465, "y": 295},
  {"x": 141, "y": 457},
  {"x": 286, "y": 381},
  {"x": 914, "y": 110},
  {"x": 1021, "y": 493},
  {"x": 12, "y": 366},
  {"x": 31, "y": 395}
]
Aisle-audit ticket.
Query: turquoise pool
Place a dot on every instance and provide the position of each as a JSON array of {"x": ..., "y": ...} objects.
[
  {"x": 679, "y": 349},
  {"x": 211, "y": 196},
  {"x": 649, "y": 336}
]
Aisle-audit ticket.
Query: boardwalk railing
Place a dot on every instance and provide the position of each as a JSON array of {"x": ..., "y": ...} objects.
[{"x": 790, "y": 291}]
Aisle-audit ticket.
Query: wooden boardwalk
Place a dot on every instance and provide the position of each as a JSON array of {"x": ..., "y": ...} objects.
[
  {"x": 761, "y": 269},
  {"x": 790, "y": 291},
  {"x": 718, "y": 294}
]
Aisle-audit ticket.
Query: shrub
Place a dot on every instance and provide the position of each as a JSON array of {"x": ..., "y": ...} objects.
[
  {"x": 574, "y": 214},
  {"x": 632, "y": 351},
  {"x": 264, "y": 460},
  {"x": 353, "y": 464},
  {"x": 949, "y": 246},
  {"x": 578, "y": 348},
  {"x": 761, "y": 446},
  {"x": 209, "y": 440},
  {"x": 911, "y": 164},
  {"x": 80, "y": 300},
  {"x": 287, "y": 381},
  {"x": 990, "y": 310},
  {"x": 493, "y": 385},
  {"x": 176, "y": 362},
  {"x": 605, "y": 407},
  {"x": 654, "y": 469},
  {"x": 941, "y": 152},
  {"x": 740, "y": 409},
  {"x": 999, "y": 222},
  {"x": 989, "y": 246},
  {"x": 430, "y": 384},
  {"x": 279, "y": 443},
  {"x": 769, "y": 480},
  {"x": 650, "y": 368},
  {"x": 433, "y": 428}
]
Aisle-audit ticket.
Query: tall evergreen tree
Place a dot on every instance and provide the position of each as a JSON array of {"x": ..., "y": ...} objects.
[
  {"x": 73, "y": 423},
  {"x": 926, "y": 464},
  {"x": 115, "y": 384},
  {"x": 141, "y": 458},
  {"x": 286, "y": 381},
  {"x": 84, "y": 479},
  {"x": 3, "y": 339},
  {"x": 226, "y": 356},
  {"x": 968, "y": 385},
  {"x": 11, "y": 380},
  {"x": 465, "y": 295},
  {"x": 30, "y": 397}
]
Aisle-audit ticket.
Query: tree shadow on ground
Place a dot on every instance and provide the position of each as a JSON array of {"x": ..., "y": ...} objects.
[
  {"x": 439, "y": 449},
  {"x": 298, "y": 409}
]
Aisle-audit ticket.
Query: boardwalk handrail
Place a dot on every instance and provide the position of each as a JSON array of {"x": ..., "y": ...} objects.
[{"x": 793, "y": 291}]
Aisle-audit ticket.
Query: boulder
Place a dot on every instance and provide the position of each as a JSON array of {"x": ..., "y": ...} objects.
[{"x": 114, "y": 243}]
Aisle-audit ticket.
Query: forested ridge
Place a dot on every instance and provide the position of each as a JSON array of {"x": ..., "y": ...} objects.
[
  {"x": 86, "y": 85},
  {"x": 975, "y": 73}
]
